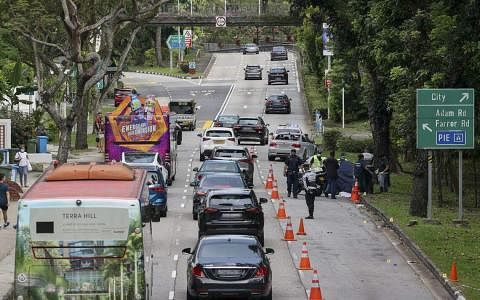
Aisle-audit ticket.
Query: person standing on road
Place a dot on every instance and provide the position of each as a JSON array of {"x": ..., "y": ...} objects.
[
  {"x": 309, "y": 182},
  {"x": 21, "y": 157},
  {"x": 292, "y": 164},
  {"x": 331, "y": 167},
  {"x": 4, "y": 199},
  {"x": 359, "y": 172}
]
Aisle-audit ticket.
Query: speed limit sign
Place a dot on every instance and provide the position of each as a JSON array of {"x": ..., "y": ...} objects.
[{"x": 221, "y": 21}]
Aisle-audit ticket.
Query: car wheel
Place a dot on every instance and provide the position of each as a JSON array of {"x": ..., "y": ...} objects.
[
  {"x": 238, "y": 142},
  {"x": 246, "y": 78},
  {"x": 244, "y": 53},
  {"x": 202, "y": 157},
  {"x": 163, "y": 213},
  {"x": 289, "y": 110},
  {"x": 269, "y": 296},
  {"x": 190, "y": 297},
  {"x": 173, "y": 178},
  {"x": 262, "y": 142},
  {"x": 269, "y": 83},
  {"x": 257, "y": 52},
  {"x": 195, "y": 216},
  {"x": 260, "y": 78},
  {"x": 271, "y": 158},
  {"x": 286, "y": 82}
]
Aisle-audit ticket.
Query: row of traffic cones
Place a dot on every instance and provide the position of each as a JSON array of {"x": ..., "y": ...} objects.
[{"x": 304, "y": 264}]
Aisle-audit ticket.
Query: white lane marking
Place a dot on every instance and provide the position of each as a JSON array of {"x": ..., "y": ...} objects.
[
  {"x": 225, "y": 102},
  {"x": 182, "y": 205},
  {"x": 191, "y": 159},
  {"x": 171, "y": 295},
  {"x": 185, "y": 191},
  {"x": 186, "y": 184},
  {"x": 179, "y": 228},
  {"x": 184, "y": 197},
  {"x": 175, "y": 257},
  {"x": 174, "y": 274},
  {"x": 177, "y": 241}
]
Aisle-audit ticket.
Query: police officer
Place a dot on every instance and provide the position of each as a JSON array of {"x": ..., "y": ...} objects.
[
  {"x": 309, "y": 182},
  {"x": 292, "y": 163},
  {"x": 316, "y": 161}
]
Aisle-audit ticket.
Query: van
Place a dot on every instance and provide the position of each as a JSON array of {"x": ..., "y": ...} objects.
[{"x": 84, "y": 232}]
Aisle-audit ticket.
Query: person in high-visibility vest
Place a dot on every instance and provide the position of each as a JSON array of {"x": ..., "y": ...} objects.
[{"x": 316, "y": 162}]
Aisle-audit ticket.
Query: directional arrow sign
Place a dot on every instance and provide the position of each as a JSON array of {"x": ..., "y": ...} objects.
[
  {"x": 445, "y": 118},
  {"x": 176, "y": 42}
]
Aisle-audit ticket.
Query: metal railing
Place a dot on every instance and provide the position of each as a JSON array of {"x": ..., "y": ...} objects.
[{"x": 234, "y": 8}]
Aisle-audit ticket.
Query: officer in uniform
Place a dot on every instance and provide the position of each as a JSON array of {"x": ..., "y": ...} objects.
[
  {"x": 316, "y": 161},
  {"x": 292, "y": 164},
  {"x": 309, "y": 182}
]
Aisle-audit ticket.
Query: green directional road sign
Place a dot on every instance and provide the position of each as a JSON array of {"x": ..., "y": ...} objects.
[
  {"x": 445, "y": 118},
  {"x": 176, "y": 42}
]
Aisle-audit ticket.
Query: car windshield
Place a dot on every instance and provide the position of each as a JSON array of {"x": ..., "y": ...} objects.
[
  {"x": 278, "y": 49},
  {"x": 228, "y": 119},
  {"x": 288, "y": 131},
  {"x": 154, "y": 177},
  {"x": 218, "y": 133},
  {"x": 248, "y": 121},
  {"x": 228, "y": 249},
  {"x": 219, "y": 166},
  {"x": 252, "y": 67},
  {"x": 230, "y": 200},
  {"x": 140, "y": 158},
  {"x": 222, "y": 182},
  {"x": 250, "y": 45},
  {"x": 277, "y": 70},
  {"x": 231, "y": 153},
  {"x": 277, "y": 97},
  {"x": 186, "y": 107},
  {"x": 287, "y": 137}
]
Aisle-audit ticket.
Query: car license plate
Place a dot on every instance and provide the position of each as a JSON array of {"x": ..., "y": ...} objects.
[
  {"x": 219, "y": 141},
  {"x": 248, "y": 129},
  {"x": 232, "y": 216},
  {"x": 223, "y": 272}
]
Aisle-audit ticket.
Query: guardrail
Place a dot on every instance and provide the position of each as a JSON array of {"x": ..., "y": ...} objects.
[{"x": 234, "y": 8}]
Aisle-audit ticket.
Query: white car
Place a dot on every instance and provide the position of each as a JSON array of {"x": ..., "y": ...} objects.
[
  {"x": 148, "y": 161},
  {"x": 288, "y": 137},
  {"x": 215, "y": 136}
]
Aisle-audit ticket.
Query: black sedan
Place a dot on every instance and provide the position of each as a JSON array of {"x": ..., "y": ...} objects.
[
  {"x": 229, "y": 266},
  {"x": 277, "y": 104},
  {"x": 253, "y": 72},
  {"x": 214, "y": 181},
  {"x": 279, "y": 53},
  {"x": 226, "y": 121},
  {"x": 251, "y": 129},
  {"x": 232, "y": 211},
  {"x": 278, "y": 75}
]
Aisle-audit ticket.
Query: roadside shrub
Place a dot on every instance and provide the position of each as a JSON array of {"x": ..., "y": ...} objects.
[
  {"x": 150, "y": 59},
  {"x": 330, "y": 139},
  {"x": 184, "y": 66},
  {"x": 347, "y": 144}
]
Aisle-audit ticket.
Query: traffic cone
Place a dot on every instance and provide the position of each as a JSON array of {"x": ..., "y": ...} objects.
[
  {"x": 301, "y": 229},
  {"x": 355, "y": 197},
  {"x": 271, "y": 171},
  {"x": 281, "y": 213},
  {"x": 269, "y": 183},
  {"x": 315, "y": 291},
  {"x": 289, "y": 236},
  {"x": 275, "y": 195},
  {"x": 304, "y": 259},
  {"x": 453, "y": 272}
]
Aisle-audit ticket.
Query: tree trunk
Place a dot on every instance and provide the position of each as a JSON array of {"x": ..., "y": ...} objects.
[
  {"x": 82, "y": 122},
  {"x": 158, "y": 46},
  {"x": 418, "y": 202},
  {"x": 96, "y": 107},
  {"x": 475, "y": 178},
  {"x": 64, "y": 142}
]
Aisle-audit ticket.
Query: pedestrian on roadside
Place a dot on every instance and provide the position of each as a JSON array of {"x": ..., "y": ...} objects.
[
  {"x": 4, "y": 199},
  {"x": 21, "y": 157},
  {"x": 383, "y": 174},
  {"x": 309, "y": 182},
  {"x": 100, "y": 130},
  {"x": 359, "y": 172},
  {"x": 292, "y": 164},
  {"x": 331, "y": 167}
]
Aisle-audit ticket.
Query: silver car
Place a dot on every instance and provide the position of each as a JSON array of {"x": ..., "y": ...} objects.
[
  {"x": 288, "y": 137},
  {"x": 250, "y": 48}
]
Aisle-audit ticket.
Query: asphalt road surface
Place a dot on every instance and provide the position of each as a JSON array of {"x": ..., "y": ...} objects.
[{"x": 356, "y": 258}]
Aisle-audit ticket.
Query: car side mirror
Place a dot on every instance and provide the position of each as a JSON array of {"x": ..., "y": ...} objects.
[
  {"x": 187, "y": 251},
  {"x": 263, "y": 200},
  {"x": 199, "y": 134},
  {"x": 195, "y": 169},
  {"x": 269, "y": 251},
  {"x": 288, "y": 70},
  {"x": 193, "y": 183}
]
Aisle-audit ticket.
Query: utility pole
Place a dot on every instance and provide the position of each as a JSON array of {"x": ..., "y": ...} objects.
[{"x": 343, "y": 107}]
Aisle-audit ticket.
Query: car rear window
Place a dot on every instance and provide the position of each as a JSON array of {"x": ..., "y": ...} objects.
[
  {"x": 228, "y": 249},
  {"x": 212, "y": 166},
  {"x": 139, "y": 158},
  {"x": 253, "y": 67},
  {"x": 222, "y": 182},
  {"x": 230, "y": 200},
  {"x": 288, "y": 131},
  {"x": 250, "y": 45},
  {"x": 231, "y": 153},
  {"x": 287, "y": 137},
  {"x": 277, "y": 70},
  {"x": 278, "y": 49},
  {"x": 248, "y": 121},
  {"x": 218, "y": 133},
  {"x": 230, "y": 119}
]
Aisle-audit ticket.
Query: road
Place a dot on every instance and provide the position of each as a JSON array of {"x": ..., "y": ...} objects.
[{"x": 356, "y": 257}]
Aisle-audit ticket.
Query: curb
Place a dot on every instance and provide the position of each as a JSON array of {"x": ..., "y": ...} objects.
[
  {"x": 169, "y": 75},
  {"x": 454, "y": 292}
]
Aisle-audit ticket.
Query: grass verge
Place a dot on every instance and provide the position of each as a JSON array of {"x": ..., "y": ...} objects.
[
  {"x": 165, "y": 70},
  {"x": 441, "y": 243}
]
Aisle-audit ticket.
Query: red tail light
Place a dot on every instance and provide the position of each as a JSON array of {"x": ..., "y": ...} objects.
[
  {"x": 285, "y": 102},
  {"x": 236, "y": 126},
  {"x": 167, "y": 157},
  {"x": 262, "y": 271},
  {"x": 231, "y": 139},
  {"x": 253, "y": 210},
  {"x": 273, "y": 144},
  {"x": 197, "y": 271},
  {"x": 157, "y": 189},
  {"x": 218, "y": 124},
  {"x": 199, "y": 177},
  {"x": 201, "y": 194},
  {"x": 269, "y": 102},
  {"x": 205, "y": 139},
  {"x": 210, "y": 210},
  {"x": 296, "y": 145}
]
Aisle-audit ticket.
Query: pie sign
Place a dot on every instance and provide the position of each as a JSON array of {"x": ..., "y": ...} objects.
[{"x": 221, "y": 21}]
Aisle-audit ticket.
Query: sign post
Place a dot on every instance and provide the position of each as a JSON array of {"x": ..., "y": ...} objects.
[
  {"x": 187, "y": 33},
  {"x": 445, "y": 120},
  {"x": 221, "y": 21},
  {"x": 175, "y": 42}
]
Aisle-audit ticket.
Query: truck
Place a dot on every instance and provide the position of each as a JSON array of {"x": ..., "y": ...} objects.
[
  {"x": 139, "y": 124},
  {"x": 183, "y": 112}
]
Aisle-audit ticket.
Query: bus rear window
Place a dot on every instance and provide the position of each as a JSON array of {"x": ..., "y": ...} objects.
[{"x": 78, "y": 252}]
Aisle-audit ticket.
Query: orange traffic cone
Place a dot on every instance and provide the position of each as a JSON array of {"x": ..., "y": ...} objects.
[
  {"x": 355, "y": 197},
  {"x": 269, "y": 183},
  {"x": 281, "y": 213},
  {"x": 301, "y": 229},
  {"x": 289, "y": 236},
  {"x": 315, "y": 291},
  {"x": 275, "y": 195},
  {"x": 271, "y": 171},
  {"x": 304, "y": 259},
  {"x": 453, "y": 272}
]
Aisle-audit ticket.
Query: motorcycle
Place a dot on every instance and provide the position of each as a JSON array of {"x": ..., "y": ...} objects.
[{"x": 320, "y": 180}]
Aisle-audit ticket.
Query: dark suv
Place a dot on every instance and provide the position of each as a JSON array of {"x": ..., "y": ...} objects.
[
  {"x": 277, "y": 103},
  {"x": 279, "y": 53},
  {"x": 251, "y": 129},
  {"x": 232, "y": 211},
  {"x": 239, "y": 154},
  {"x": 278, "y": 74}
]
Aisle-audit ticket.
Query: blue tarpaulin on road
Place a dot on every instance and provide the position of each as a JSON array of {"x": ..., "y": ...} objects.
[{"x": 345, "y": 180}]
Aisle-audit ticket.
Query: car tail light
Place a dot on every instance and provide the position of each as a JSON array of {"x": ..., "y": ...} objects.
[
  {"x": 218, "y": 124},
  {"x": 157, "y": 189},
  {"x": 210, "y": 210},
  {"x": 167, "y": 157},
  {"x": 198, "y": 272},
  {"x": 231, "y": 139},
  {"x": 269, "y": 102},
  {"x": 262, "y": 271},
  {"x": 273, "y": 144},
  {"x": 205, "y": 139},
  {"x": 199, "y": 177},
  {"x": 296, "y": 145},
  {"x": 285, "y": 102},
  {"x": 253, "y": 210},
  {"x": 201, "y": 193},
  {"x": 236, "y": 127}
]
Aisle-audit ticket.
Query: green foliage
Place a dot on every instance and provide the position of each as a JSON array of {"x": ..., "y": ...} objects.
[
  {"x": 347, "y": 144},
  {"x": 23, "y": 126},
  {"x": 150, "y": 58},
  {"x": 330, "y": 139}
]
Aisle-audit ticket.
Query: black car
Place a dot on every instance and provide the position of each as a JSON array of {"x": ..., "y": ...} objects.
[
  {"x": 251, "y": 129},
  {"x": 216, "y": 166},
  {"x": 279, "y": 53},
  {"x": 214, "y": 181},
  {"x": 253, "y": 72},
  {"x": 226, "y": 121},
  {"x": 232, "y": 211},
  {"x": 239, "y": 154},
  {"x": 278, "y": 74},
  {"x": 229, "y": 266},
  {"x": 277, "y": 103}
]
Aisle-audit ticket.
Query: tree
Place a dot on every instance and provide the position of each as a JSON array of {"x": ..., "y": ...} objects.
[{"x": 55, "y": 40}]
